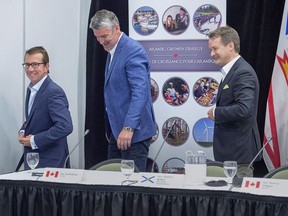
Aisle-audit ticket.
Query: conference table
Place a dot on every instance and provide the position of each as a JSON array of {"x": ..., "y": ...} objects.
[{"x": 67, "y": 192}]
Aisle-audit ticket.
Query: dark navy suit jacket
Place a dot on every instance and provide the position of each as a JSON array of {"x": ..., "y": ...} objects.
[
  {"x": 236, "y": 135},
  {"x": 50, "y": 123}
]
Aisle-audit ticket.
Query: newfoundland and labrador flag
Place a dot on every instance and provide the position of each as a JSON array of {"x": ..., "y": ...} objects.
[{"x": 276, "y": 122}]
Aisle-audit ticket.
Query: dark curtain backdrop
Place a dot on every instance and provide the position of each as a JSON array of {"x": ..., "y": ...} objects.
[
  {"x": 258, "y": 24},
  {"x": 95, "y": 141}
]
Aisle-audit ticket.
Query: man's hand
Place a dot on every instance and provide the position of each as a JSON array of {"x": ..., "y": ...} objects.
[
  {"x": 210, "y": 114},
  {"x": 24, "y": 140},
  {"x": 124, "y": 139}
]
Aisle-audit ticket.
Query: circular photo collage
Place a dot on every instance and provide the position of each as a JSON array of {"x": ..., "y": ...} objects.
[
  {"x": 145, "y": 20},
  {"x": 176, "y": 20},
  {"x": 175, "y": 91},
  {"x": 205, "y": 91},
  {"x": 207, "y": 18},
  {"x": 175, "y": 130},
  {"x": 174, "y": 165},
  {"x": 154, "y": 90}
]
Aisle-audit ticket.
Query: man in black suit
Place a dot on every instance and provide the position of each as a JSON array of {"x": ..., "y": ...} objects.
[{"x": 236, "y": 135}]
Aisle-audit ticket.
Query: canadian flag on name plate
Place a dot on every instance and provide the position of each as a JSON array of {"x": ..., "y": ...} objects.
[
  {"x": 265, "y": 186},
  {"x": 52, "y": 174},
  {"x": 252, "y": 184},
  {"x": 276, "y": 123},
  {"x": 62, "y": 175}
]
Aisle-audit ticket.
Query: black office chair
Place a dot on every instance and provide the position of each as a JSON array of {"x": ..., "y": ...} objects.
[
  {"x": 110, "y": 165},
  {"x": 215, "y": 169},
  {"x": 149, "y": 165},
  {"x": 278, "y": 173}
]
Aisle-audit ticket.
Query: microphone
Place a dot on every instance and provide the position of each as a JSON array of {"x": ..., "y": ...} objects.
[
  {"x": 266, "y": 143},
  {"x": 165, "y": 139},
  {"x": 78, "y": 143}
]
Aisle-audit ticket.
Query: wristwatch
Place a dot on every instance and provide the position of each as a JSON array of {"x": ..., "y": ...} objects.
[{"x": 128, "y": 129}]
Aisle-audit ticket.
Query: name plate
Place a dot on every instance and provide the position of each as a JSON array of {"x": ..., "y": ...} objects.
[
  {"x": 160, "y": 180},
  {"x": 62, "y": 175},
  {"x": 265, "y": 186}
]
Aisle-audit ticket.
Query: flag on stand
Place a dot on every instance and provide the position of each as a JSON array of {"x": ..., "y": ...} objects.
[{"x": 276, "y": 123}]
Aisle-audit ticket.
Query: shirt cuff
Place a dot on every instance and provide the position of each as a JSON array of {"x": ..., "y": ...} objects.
[{"x": 32, "y": 143}]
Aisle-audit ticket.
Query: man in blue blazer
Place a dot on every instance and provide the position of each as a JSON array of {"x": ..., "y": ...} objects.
[
  {"x": 48, "y": 121},
  {"x": 236, "y": 135},
  {"x": 127, "y": 94}
]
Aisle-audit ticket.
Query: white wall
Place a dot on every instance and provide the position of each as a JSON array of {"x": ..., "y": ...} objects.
[{"x": 61, "y": 27}]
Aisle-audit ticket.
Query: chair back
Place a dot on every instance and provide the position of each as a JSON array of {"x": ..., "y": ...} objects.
[
  {"x": 278, "y": 173},
  {"x": 110, "y": 165},
  {"x": 150, "y": 167},
  {"x": 215, "y": 169}
]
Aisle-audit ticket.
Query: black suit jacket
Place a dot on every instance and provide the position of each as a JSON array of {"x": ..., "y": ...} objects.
[{"x": 236, "y": 135}]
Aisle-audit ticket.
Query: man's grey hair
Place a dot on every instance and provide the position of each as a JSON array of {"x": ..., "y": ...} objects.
[{"x": 103, "y": 19}]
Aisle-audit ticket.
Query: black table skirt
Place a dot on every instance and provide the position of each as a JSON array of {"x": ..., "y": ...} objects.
[{"x": 36, "y": 198}]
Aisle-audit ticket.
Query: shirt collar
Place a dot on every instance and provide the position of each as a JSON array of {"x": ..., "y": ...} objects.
[
  {"x": 37, "y": 86},
  {"x": 224, "y": 70},
  {"x": 112, "y": 51}
]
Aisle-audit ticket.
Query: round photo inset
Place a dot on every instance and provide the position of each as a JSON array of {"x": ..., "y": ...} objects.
[
  {"x": 175, "y": 20},
  {"x": 175, "y": 91},
  {"x": 205, "y": 91},
  {"x": 145, "y": 20},
  {"x": 174, "y": 165},
  {"x": 175, "y": 131},
  {"x": 154, "y": 90},
  {"x": 207, "y": 18},
  {"x": 154, "y": 138},
  {"x": 203, "y": 132}
]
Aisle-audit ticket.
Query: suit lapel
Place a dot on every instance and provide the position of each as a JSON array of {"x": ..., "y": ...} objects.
[
  {"x": 109, "y": 70},
  {"x": 27, "y": 102},
  {"x": 227, "y": 78},
  {"x": 37, "y": 98}
]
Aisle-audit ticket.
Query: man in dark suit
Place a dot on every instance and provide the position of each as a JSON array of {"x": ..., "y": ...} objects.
[
  {"x": 127, "y": 93},
  {"x": 48, "y": 121},
  {"x": 236, "y": 135}
]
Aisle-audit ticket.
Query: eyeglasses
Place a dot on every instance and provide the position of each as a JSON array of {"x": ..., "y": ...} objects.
[{"x": 34, "y": 65}]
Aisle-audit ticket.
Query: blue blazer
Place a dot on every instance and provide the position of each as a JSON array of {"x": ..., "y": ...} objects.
[
  {"x": 50, "y": 123},
  {"x": 127, "y": 91},
  {"x": 236, "y": 135}
]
